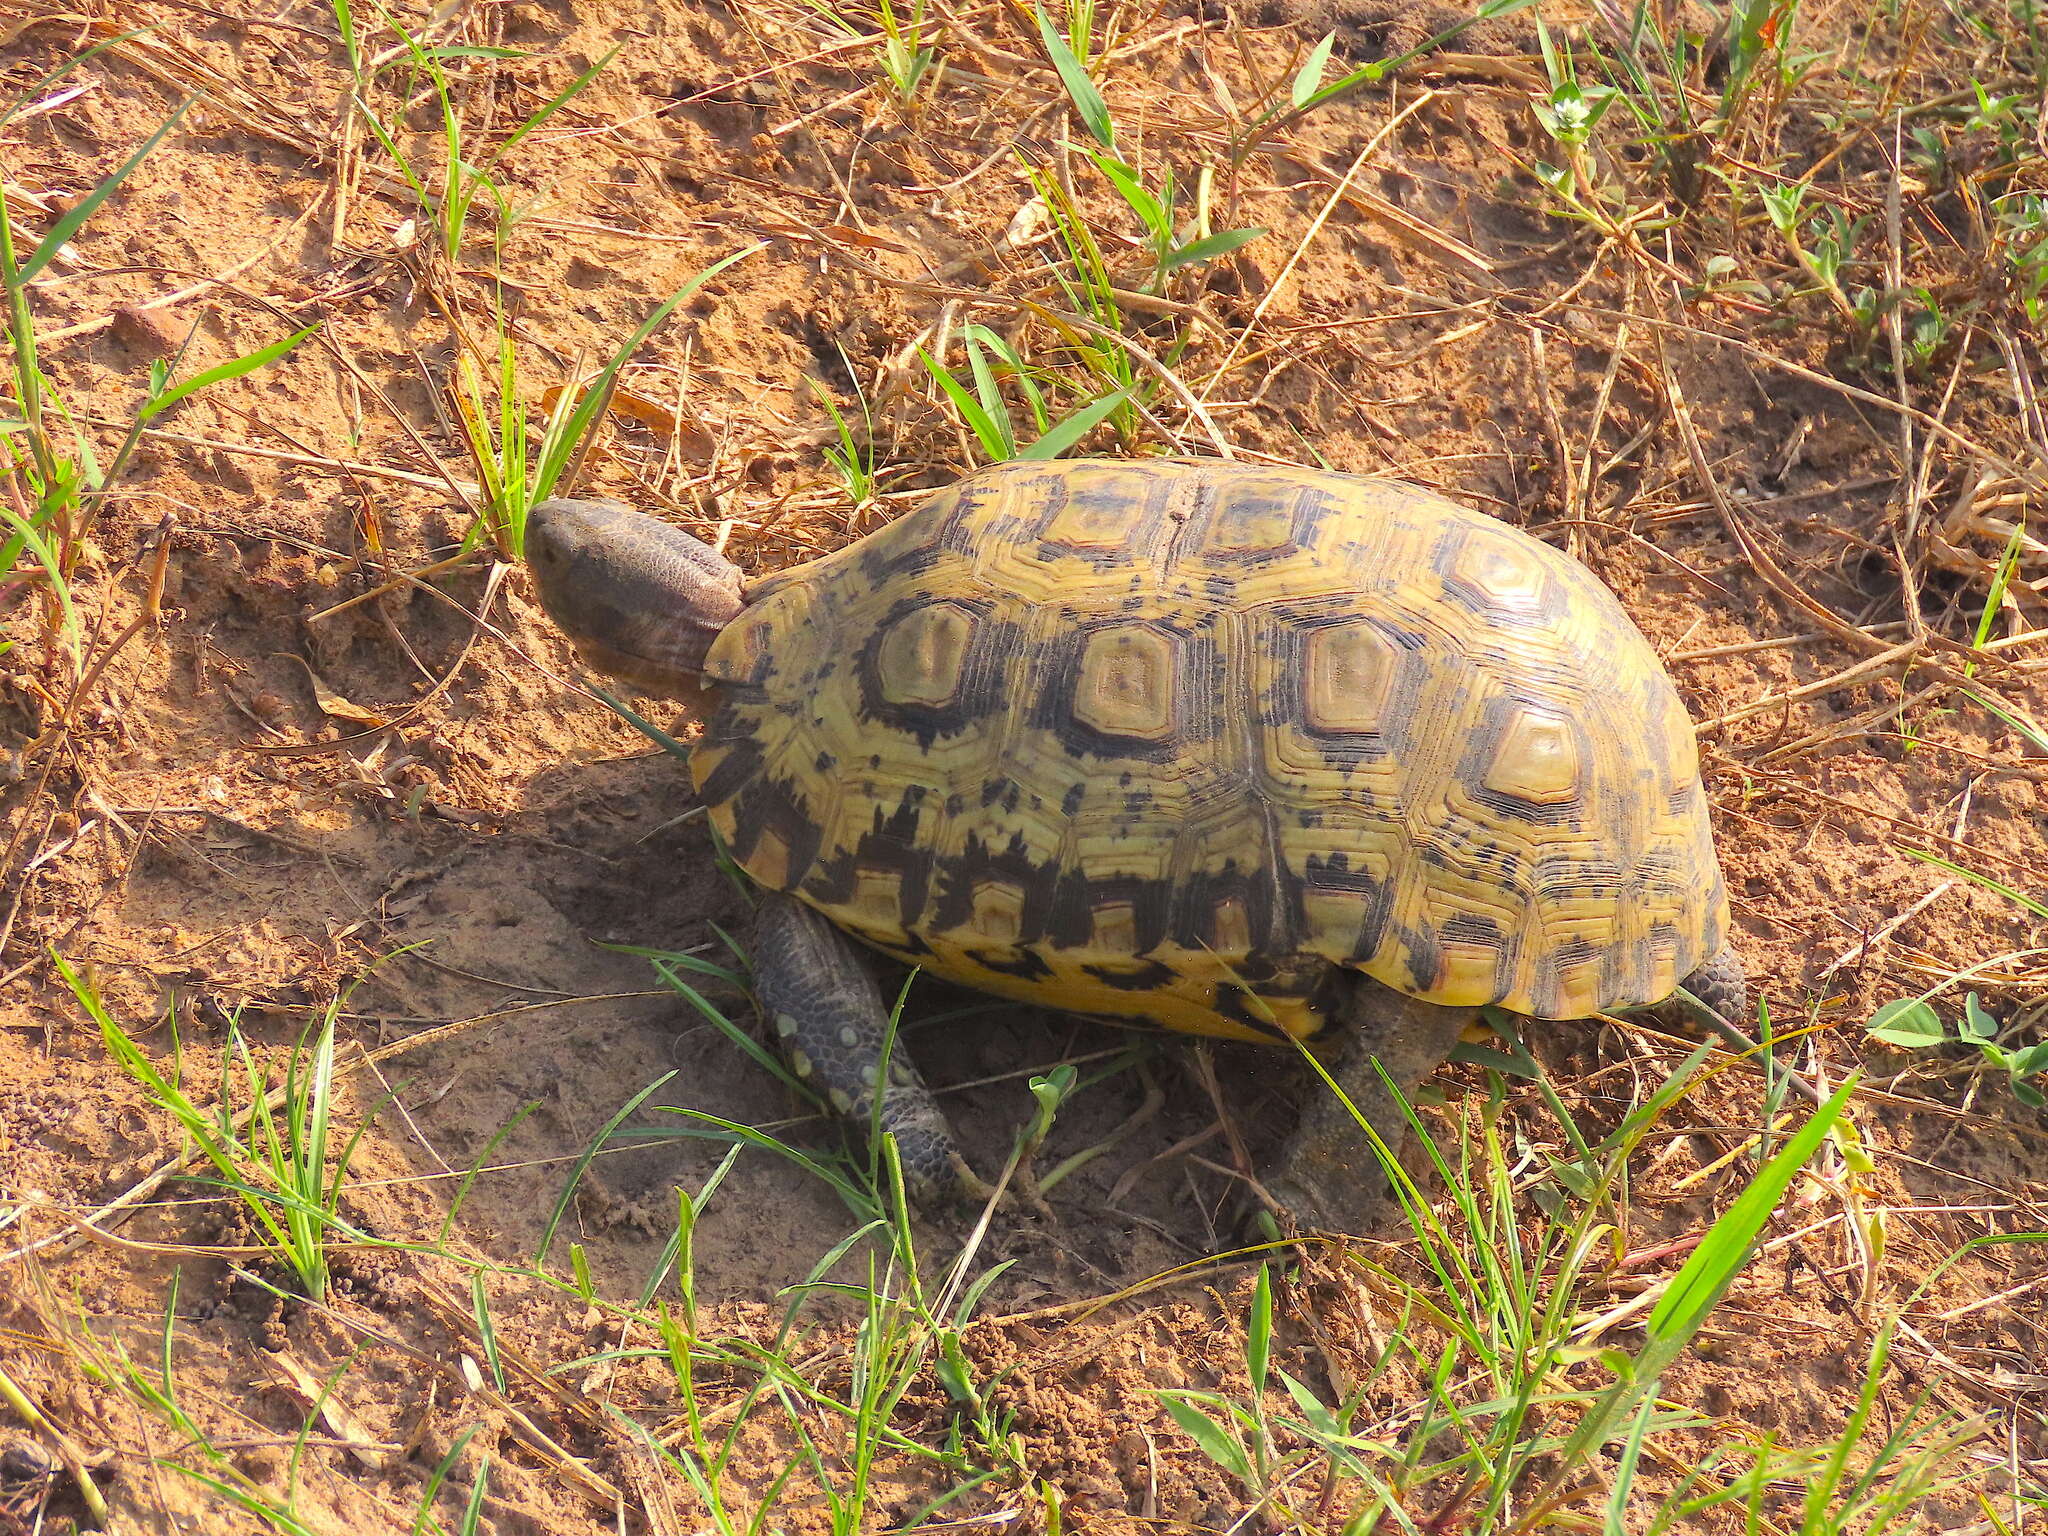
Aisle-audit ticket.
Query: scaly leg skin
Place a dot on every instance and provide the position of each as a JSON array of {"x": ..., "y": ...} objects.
[
  {"x": 820, "y": 997},
  {"x": 1723, "y": 986},
  {"x": 1330, "y": 1178}
]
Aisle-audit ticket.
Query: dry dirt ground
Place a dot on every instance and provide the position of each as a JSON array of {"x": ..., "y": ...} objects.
[{"x": 266, "y": 801}]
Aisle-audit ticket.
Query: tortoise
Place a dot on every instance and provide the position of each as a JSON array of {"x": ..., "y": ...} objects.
[{"x": 1244, "y": 751}]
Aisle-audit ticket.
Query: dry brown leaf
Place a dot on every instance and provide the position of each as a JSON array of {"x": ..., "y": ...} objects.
[
  {"x": 691, "y": 436},
  {"x": 310, "y": 1391},
  {"x": 336, "y": 704},
  {"x": 848, "y": 235}
]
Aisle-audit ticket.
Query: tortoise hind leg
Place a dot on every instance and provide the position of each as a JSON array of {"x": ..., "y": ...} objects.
[
  {"x": 1723, "y": 985},
  {"x": 1330, "y": 1178},
  {"x": 1726, "y": 1009},
  {"x": 820, "y": 997}
]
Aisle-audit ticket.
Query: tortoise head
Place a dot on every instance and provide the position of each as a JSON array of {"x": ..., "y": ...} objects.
[{"x": 641, "y": 601}]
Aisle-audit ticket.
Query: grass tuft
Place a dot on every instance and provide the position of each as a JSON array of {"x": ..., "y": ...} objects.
[{"x": 273, "y": 1151}]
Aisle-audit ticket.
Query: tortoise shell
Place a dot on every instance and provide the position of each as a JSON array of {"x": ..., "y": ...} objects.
[{"x": 1168, "y": 740}]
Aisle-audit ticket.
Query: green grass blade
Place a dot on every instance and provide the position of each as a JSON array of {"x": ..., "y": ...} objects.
[
  {"x": 475, "y": 51},
  {"x": 1705, "y": 1276},
  {"x": 695, "y": 964},
  {"x": 1214, "y": 1437},
  {"x": 1156, "y": 216},
  {"x": 564, "y": 437},
  {"x": 1994, "y": 597},
  {"x": 555, "y": 105},
  {"x": 1370, "y": 73},
  {"x": 990, "y": 392},
  {"x": 1088, "y": 103},
  {"x": 1007, "y": 355},
  {"x": 251, "y": 1502},
  {"x": 1697, "y": 1289},
  {"x": 235, "y": 369},
  {"x": 1258, "y": 1341},
  {"x": 1661, "y": 1098},
  {"x": 2020, "y": 723},
  {"x": 1615, "y": 1522},
  {"x": 597, "y": 1144},
  {"x": 762, "y": 1057},
  {"x": 678, "y": 1246},
  {"x": 75, "y": 218},
  {"x": 27, "y": 536},
  {"x": 1996, "y": 887},
  {"x": 995, "y": 441},
  {"x": 25, "y": 95},
  {"x": 486, "y": 1327},
  {"x": 476, "y": 1167},
  {"x": 641, "y": 723},
  {"x": 441, "y": 1475},
  {"x": 726, "y": 1132},
  {"x": 1071, "y": 429}
]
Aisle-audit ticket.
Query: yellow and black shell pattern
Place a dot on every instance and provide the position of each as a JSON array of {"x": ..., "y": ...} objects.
[{"x": 1168, "y": 740}]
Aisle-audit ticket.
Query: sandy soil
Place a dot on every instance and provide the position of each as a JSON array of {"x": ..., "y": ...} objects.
[{"x": 265, "y": 800}]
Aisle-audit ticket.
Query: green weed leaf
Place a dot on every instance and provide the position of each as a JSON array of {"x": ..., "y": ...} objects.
[
  {"x": 1908, "y": 1022},
  {"x": 1051, "y": 1090},
  {"x": 1310, "y": 75},
  {"x": 1215, "y": 1439},
  {"x": 1209, "y": 247},
  {"x": 2028, "y": 1060},
  {"x": 1258, "y": 1337},
  {"x": 1977, "y": 1024}
]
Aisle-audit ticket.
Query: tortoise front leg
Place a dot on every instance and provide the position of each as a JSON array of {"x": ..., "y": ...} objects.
[
  {"x": 1329, "y": 1177},
  {"x": 819, "y": 996}
]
